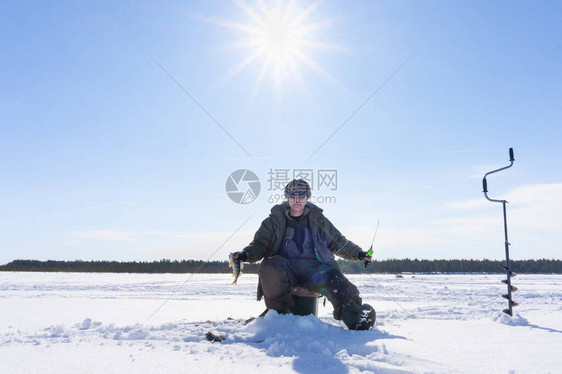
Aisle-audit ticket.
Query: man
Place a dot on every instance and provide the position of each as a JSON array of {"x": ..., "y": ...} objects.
[{"x": 297, "y": 245}]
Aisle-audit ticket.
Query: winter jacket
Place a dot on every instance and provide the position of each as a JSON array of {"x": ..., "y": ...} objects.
[{"x": 328, "y": 241}]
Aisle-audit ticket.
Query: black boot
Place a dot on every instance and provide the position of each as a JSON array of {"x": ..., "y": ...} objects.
[{"x": 356, "y": 316}]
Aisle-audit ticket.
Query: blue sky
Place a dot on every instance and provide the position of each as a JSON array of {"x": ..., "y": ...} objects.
[{"x": 104, "y": 156}]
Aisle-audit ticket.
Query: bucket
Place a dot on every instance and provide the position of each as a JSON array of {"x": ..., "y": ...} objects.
[{"x": 306, "y": 301}]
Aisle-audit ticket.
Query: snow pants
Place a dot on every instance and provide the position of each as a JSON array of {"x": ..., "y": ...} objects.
[{"x": 278, "y": 274}]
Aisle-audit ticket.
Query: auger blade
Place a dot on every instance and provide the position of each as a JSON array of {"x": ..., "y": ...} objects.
[
  {"x": 513, "y": 288},
  {"x": 511, "y": 273}
]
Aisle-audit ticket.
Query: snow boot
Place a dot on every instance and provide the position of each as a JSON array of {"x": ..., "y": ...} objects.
[
  {"x": 356, "y": 316},
  {"x": 367, "y": 318}
]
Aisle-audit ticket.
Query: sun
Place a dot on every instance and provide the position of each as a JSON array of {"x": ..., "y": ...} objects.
[{"x": 278, "y": 37}]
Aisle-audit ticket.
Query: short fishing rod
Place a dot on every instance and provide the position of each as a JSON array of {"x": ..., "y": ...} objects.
[
  {"x": 370, "y": 254},
  {"x": 370, "y": 251}
]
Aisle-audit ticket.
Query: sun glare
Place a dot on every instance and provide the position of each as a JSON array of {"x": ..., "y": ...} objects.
[{"x": 278, "y": 36}]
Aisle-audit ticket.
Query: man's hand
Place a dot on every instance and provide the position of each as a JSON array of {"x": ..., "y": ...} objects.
[
  {"x": 364, "y": 256},
  {"x": 242, "y": 256}
]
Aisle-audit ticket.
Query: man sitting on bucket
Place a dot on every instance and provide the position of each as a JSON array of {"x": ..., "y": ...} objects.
[{"x": 297, "y": 245}]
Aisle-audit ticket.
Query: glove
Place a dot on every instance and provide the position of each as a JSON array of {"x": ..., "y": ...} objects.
[
  {"x": 363, "y": 256},
  {"x": 242, "y": 256}
]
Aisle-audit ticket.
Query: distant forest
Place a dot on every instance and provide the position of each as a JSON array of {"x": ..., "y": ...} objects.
[{"x": 543, "y": 266}]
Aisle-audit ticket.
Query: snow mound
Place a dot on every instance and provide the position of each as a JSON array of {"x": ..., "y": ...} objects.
[
  {"x": 290, "y": 335},
  {"x": 276, "y": 335},
  {"x": 516, "y": 320},
  {"x": 86, "y": 324}
]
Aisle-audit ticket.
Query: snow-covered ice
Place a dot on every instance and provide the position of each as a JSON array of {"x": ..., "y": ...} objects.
[{"x": 99, "y": 323}]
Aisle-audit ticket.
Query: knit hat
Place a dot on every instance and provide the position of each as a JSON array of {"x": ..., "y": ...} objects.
[{"x": 298, "y": 187}]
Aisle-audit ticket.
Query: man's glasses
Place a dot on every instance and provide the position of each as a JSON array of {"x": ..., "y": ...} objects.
[{"x": 297, "y": 198}]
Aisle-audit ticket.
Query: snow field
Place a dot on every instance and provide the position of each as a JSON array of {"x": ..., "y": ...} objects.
[{"x": 93, "y": 323}]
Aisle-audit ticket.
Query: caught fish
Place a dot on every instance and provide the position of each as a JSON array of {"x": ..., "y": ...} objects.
[{"x": 236, "y": 266}]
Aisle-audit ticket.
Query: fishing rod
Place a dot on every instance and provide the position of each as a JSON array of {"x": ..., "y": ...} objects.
[
  {"x": 370, "y": 251},
  {"x": 370, "y": 254},
  {"x": 508, "y": 271}
]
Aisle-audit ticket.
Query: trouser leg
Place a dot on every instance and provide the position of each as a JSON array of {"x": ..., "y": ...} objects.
[
  {"x": 276, "y": 277},
  {"x": 346, "y": 301},
  {"x": 329, "y": 281}
]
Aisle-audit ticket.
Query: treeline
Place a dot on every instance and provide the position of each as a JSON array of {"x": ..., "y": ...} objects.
[
  {"x": 543, "y": 266},
  {"x": 162, "y": 266}
]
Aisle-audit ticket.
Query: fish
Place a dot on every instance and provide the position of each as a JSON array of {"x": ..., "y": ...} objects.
[{"x": 236, "y": 266}]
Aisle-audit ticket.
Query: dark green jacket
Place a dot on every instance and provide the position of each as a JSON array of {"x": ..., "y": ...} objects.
[{"x": 328, "y": 241}]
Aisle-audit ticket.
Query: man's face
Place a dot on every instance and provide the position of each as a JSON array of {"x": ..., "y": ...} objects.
[{"x": 297, "y": 203}]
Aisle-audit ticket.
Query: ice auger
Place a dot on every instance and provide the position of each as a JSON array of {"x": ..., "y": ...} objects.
[{"x": 508, "y": 271}]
